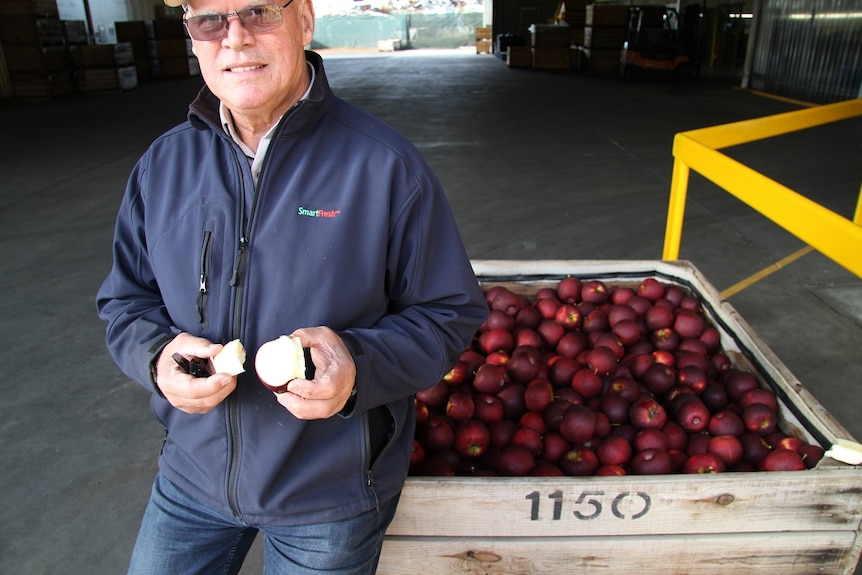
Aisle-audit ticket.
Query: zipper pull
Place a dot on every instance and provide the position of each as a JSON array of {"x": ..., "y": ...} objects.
[{"x": 243, "y": 242}]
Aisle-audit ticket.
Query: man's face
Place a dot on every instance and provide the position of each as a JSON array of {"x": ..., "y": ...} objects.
[{"x": 256, "y": 74}]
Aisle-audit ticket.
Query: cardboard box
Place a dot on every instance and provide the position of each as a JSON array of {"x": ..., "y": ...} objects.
[
  {"x": 484, "y": 46},
  {"x": 608, "y": 38},
  {"x": 554, "y": 59},
  {"x": 603, "y": 60},
  {"x": 29, "y": 30},
  {"x": 550, "y": 36},
  {"x": 35, "y": 58},
  {"x": 607, "y": 15},
  {"x": 735, "y": 523},
  {"x": 483, "y": 33},
  {"x": 40, "y": 8},
  {"x": 519, "y": 57}
]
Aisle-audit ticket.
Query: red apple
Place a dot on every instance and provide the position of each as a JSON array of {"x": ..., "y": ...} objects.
[
  {"x": 571, "y": 344},
  {"x": 547, "y": 307},
  {"x": 578, "y": 423},
  {"x": 621, "y": 294},
  {"x": 514, "y": 461},
  {"x": 614, "y": 451},
  {"x": 594, "y": 291},
  {"x": 580, "y": 462},
  {"x": 538, "y": 394},
  {"x": 651, "y": 288},
  {"x": 512, "y": 396},
  {"x": 529, "y": 438},
  {"x": 782, "y": 460},
  {"x": 436, "y": 434},
  {"x": 561, "y": 370},
  {"x": 601, "y": 360},
  {"x": 568, "y": 316},
  {"x": 659, "y": 317},
  {"x": 628, "y": 331},
  {"x": 498, "y": 319},
  {"x": 651, "y": 438},
  {"x": 435, "y": 397},
  {"x": 651, "y": 462},
  {"x": 659, "y": 378},
  {"x": 551, "y": 332},
  {"x": 488, "y": 408},
  {"x": 728, "y": 447},
  {"x": 725, "y": 423},
  {"x": 490, "y": 378},
  {"x": 647, "y": 413},
  {"x": 760, "y": 419},
  {"x": 587, "y": 383},
  {"x": 759, "y": 395},
  {"x": 692, "y": 414},
  {"x": 610, "y": 471},
  {"x": 502, "y": 432},
  {"x": 704, "y": 463},
  {"x": 554, "y": 446},
  {"x": 497, "y": 339},
  {"x": 472, "y": 439},
  {"x": 569, "y": 289},
  {"x": 687, "y": 323}
]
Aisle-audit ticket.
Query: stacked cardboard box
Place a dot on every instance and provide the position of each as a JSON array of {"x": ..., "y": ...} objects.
[
  {"x": 483, "y": 40},
  {"x": 604, "y": 34},
  {"x": 171, "y": 48},
  {"x": 573, "y": 13},
  {"x": 551, "y": 46},
  {"x": 101, "y": 67},
  {"x": 33, "y": 41},
  {"x": 138, "y": 34}
]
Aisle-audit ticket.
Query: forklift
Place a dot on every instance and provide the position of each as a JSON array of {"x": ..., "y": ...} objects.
[{"x": 658, "y": 46}]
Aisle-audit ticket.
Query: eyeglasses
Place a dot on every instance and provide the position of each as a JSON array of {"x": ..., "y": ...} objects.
[{"x": 210, "y": 27}]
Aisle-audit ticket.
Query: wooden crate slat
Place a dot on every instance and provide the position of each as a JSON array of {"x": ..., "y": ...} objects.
[{"x": 798, "y": 553}]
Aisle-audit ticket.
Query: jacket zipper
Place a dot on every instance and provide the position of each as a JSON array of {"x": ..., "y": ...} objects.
[
  {"x": 236, "y": 330},
  {"x": 203, "y": 267}
]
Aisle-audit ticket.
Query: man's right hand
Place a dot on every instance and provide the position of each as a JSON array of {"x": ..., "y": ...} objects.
[{"x": 183, "y": 391}]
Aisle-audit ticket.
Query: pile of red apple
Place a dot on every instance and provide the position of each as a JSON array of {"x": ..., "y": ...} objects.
[{"x": 586, "y": 378}]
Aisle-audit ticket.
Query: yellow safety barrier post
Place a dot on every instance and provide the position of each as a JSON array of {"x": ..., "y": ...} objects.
[{"x": 835, "y": 236}]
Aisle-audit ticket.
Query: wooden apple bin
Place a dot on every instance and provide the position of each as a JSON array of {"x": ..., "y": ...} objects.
[{"x": 783, "y": 523}]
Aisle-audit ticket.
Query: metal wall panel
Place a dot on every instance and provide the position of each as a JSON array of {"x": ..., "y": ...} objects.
[{"x": 809, "y": 50}]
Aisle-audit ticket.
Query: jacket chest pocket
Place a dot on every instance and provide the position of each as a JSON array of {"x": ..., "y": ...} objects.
[{"x": 204, "y": 269}]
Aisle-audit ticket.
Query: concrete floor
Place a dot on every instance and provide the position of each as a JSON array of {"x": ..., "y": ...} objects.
[{"x": 536, "y": 165}]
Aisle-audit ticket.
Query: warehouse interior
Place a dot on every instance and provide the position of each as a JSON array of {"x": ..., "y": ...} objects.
[{"x": 537, "y": 164}]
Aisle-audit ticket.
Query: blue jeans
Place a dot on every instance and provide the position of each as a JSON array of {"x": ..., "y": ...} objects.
[{"x": 180, "y": 536}]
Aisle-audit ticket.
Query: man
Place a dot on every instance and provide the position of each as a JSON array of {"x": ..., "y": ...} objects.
[{"x": 277, "y": 209}]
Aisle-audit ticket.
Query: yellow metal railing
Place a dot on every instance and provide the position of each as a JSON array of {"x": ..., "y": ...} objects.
[{"x": 833, "y": 235}]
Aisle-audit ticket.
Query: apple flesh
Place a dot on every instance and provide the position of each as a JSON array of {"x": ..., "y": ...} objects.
[
  {"x": 280, "y": 361},
  {"x": 230, "y": 359}
]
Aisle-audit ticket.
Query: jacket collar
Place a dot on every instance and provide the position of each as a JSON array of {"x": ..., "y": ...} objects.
[{"x": 204, "y": 110}]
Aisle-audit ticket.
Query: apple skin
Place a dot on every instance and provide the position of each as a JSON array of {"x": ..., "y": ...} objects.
[
  {"x": 488, "y": 408},
  {"x": 760, "y": 419},
  {"x": 460, "y": 406},
  {"x": 436, "y": 434},
  {"x": 651, "y": 288},
  {"x": 704, "y": 463},
  {"x": 471, "y": 439},
  {"x": 782, "y": 460},
  {"x": 614, "y": 451},
  {"x": 647, "y": 413},
  {"x": 569, "y": 289},
  {"x": 538, "y": 395},
  {"x": 725, "y": 423},
  {"x": 514, "y": 461},
  {"x": 578, "y": 424},
  {"x": 727, "y": 447},
  {"x": 436, "y": 396},
  {"x": 651, "y": 462},
  {"x": 579, "y": 462}
]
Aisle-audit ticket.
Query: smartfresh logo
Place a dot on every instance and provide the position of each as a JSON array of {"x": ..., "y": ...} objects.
[{"x": 317, "y": 213}]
